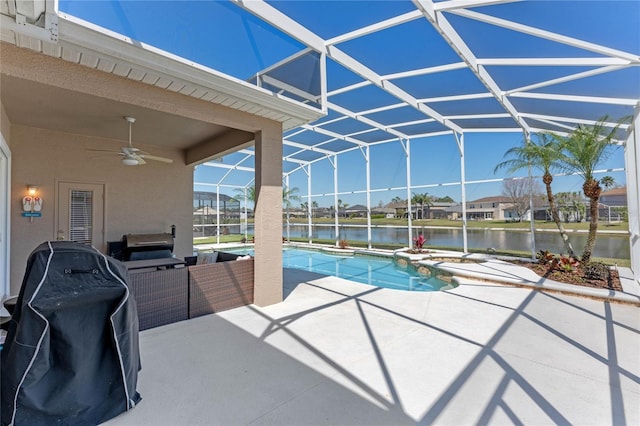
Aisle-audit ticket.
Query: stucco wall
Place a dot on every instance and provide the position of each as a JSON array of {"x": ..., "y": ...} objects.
[
  {"x": 5, "y": 125},
  {"x": 140, "y": 199}
]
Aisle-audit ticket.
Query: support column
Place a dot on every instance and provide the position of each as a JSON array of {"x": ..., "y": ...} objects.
[
  {"x": 632, "y": 161},
  {"x": 532, "y": 223},
  {"x": 309, "y": 221},
  {"x": 407, "y": 153},
  {"x": 218, "y": 214},
  {"x": 368, "y": 173},
  {"x": 334, "y": 163},
  {"x": 463, "y": 191},
  {"x": 268, "y": 216},
  {"x": 246, "y": 218},
  {"x": 288, "y": 203}
]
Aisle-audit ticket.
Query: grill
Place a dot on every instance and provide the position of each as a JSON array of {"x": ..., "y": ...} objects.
[{"x": 147, "y": 246}]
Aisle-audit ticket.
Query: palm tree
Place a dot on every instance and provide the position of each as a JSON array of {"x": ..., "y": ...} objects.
[
  {"x": 421, "y": 200},
  {"x": 608, "y": 182},
  {"x": 541, "y": 152},
  {"x": 342, "y": 206},
  {"x": 251, "y": 193},
  {"x": 582, "y": 152},
  {"x": 289, "y": 195}
]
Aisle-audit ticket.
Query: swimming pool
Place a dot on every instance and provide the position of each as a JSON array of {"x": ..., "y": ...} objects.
[{"x": 371, "y": 270}]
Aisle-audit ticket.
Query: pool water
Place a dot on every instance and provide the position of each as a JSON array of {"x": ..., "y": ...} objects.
[{"x": 371, "y": 270}]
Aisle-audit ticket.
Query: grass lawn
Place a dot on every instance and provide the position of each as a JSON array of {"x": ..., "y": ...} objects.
[{"x": 603, "y": 227}]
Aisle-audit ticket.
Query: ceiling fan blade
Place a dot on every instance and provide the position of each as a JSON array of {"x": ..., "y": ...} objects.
[
  {"x": 156, "y": 158},
  {"x": 108, "y": 151}
]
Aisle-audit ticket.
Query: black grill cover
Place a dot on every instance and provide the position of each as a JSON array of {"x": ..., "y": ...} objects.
[{"x": 71, "y": 355}]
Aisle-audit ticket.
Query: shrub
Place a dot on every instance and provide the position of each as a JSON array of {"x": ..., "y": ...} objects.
[
  {"x": 419, "y": 241},
  {"x": 596, "y": 271},
  {"x": 566, "y": 263},
  {"x": 545, "y": 257}
]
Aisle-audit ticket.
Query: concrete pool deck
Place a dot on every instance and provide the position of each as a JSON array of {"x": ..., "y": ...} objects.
[{"x": 336, "y": 352}]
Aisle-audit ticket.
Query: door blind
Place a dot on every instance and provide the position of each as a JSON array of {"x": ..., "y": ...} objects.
[{"x": 81, "y": 216}]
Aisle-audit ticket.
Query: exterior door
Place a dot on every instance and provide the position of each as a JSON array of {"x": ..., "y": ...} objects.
[
  {"x": 5, "y": 197},
  {"x": 80, "y": 213}
]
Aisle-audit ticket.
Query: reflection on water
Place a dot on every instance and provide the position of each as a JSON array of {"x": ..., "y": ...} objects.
[
  {"x": 606, "y": 245},
  {"x": 364, "y": 269}
]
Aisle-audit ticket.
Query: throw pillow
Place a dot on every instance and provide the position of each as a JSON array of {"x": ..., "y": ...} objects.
[{"x": 207, "y": 258}]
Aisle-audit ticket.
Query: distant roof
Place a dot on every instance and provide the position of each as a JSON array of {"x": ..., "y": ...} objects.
[
  {"x": 614, "y": 191},
  {"x": 205, "y": 195},
  {"x": 498, "y": 199},
  {"x": 356, "y": 208}
]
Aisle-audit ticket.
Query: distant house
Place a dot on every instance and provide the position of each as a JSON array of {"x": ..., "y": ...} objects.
[
  {"x": 614, "y": 197},
  {"x": 437, "y": 210},
  {"x": 388, "y": 212},
  {"x": 489, "y": 208},
  {"x": 357, "y": 210},
  {"x": 613, "y": 204},
  {"x": 205, "y": 206}
]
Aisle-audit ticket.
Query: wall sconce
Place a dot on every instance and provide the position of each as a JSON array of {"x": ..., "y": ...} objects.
[{"x": 32, "y": 203}]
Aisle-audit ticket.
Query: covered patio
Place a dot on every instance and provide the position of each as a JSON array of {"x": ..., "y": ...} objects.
[
  {"x": 325, "y": 87},
  {"x": 338, "y": 352},
  {"x": 333, "y": 351}
]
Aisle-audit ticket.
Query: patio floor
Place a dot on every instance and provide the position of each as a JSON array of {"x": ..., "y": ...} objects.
[{"x": 337, "y": 352}]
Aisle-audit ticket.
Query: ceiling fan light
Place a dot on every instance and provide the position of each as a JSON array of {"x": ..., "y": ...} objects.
[{"x": 129, "y": 161}]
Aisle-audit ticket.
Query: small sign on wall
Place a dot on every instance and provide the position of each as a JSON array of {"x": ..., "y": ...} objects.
[{"x": 31, "y": 214}]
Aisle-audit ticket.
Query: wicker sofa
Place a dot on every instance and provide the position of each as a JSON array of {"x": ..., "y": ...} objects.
[
  {"x": 172, "y": 295},
  {"x": 225, "y": 284},
  {"x": 162, "y": 297}
]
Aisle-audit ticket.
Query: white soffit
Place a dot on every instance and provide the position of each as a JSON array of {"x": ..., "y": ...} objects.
[{"x": 85, "y": 44}]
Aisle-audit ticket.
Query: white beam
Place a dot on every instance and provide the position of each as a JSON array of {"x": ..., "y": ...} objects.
[
  {"x": 366, "y": 120},
  {"x": 580, "y": 44},
  {"x": 425, "y": 71},
  {"x": 555, "y": 118},
  {"x": 307, "y": 147},
  {"x": 576, "y": 98},
  {"x": 460, "y": 4},
  {"x": 453, "y": 98},
  {"x": 338, "y": 136},
  {"x": 229, "y": 166},
  {"x": 291, "y": 27},
  {"x": 349, "y": 88},
  {"x": 451, "y": 36},
  {"x": 564, "y": 79},
  {"x": 285, "y": 24},
  {"x": 475, "y": 116},
  {"x": 553, "y": 62},
  {"x": 378, "y": 26}
]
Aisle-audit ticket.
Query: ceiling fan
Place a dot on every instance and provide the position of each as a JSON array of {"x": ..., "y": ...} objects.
[{"x": 132, "y": 156}]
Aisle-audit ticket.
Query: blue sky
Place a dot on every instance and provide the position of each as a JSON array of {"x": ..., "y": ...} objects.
[{"x": 222, "y": 36}]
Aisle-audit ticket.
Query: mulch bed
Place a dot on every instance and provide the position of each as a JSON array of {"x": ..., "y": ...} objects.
[{"x": 575, "y": 277}]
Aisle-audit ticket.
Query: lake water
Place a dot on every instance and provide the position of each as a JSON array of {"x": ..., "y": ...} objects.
[
  {"x": 606, "y": 245},
  {"x": 611, "y": 246}
]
